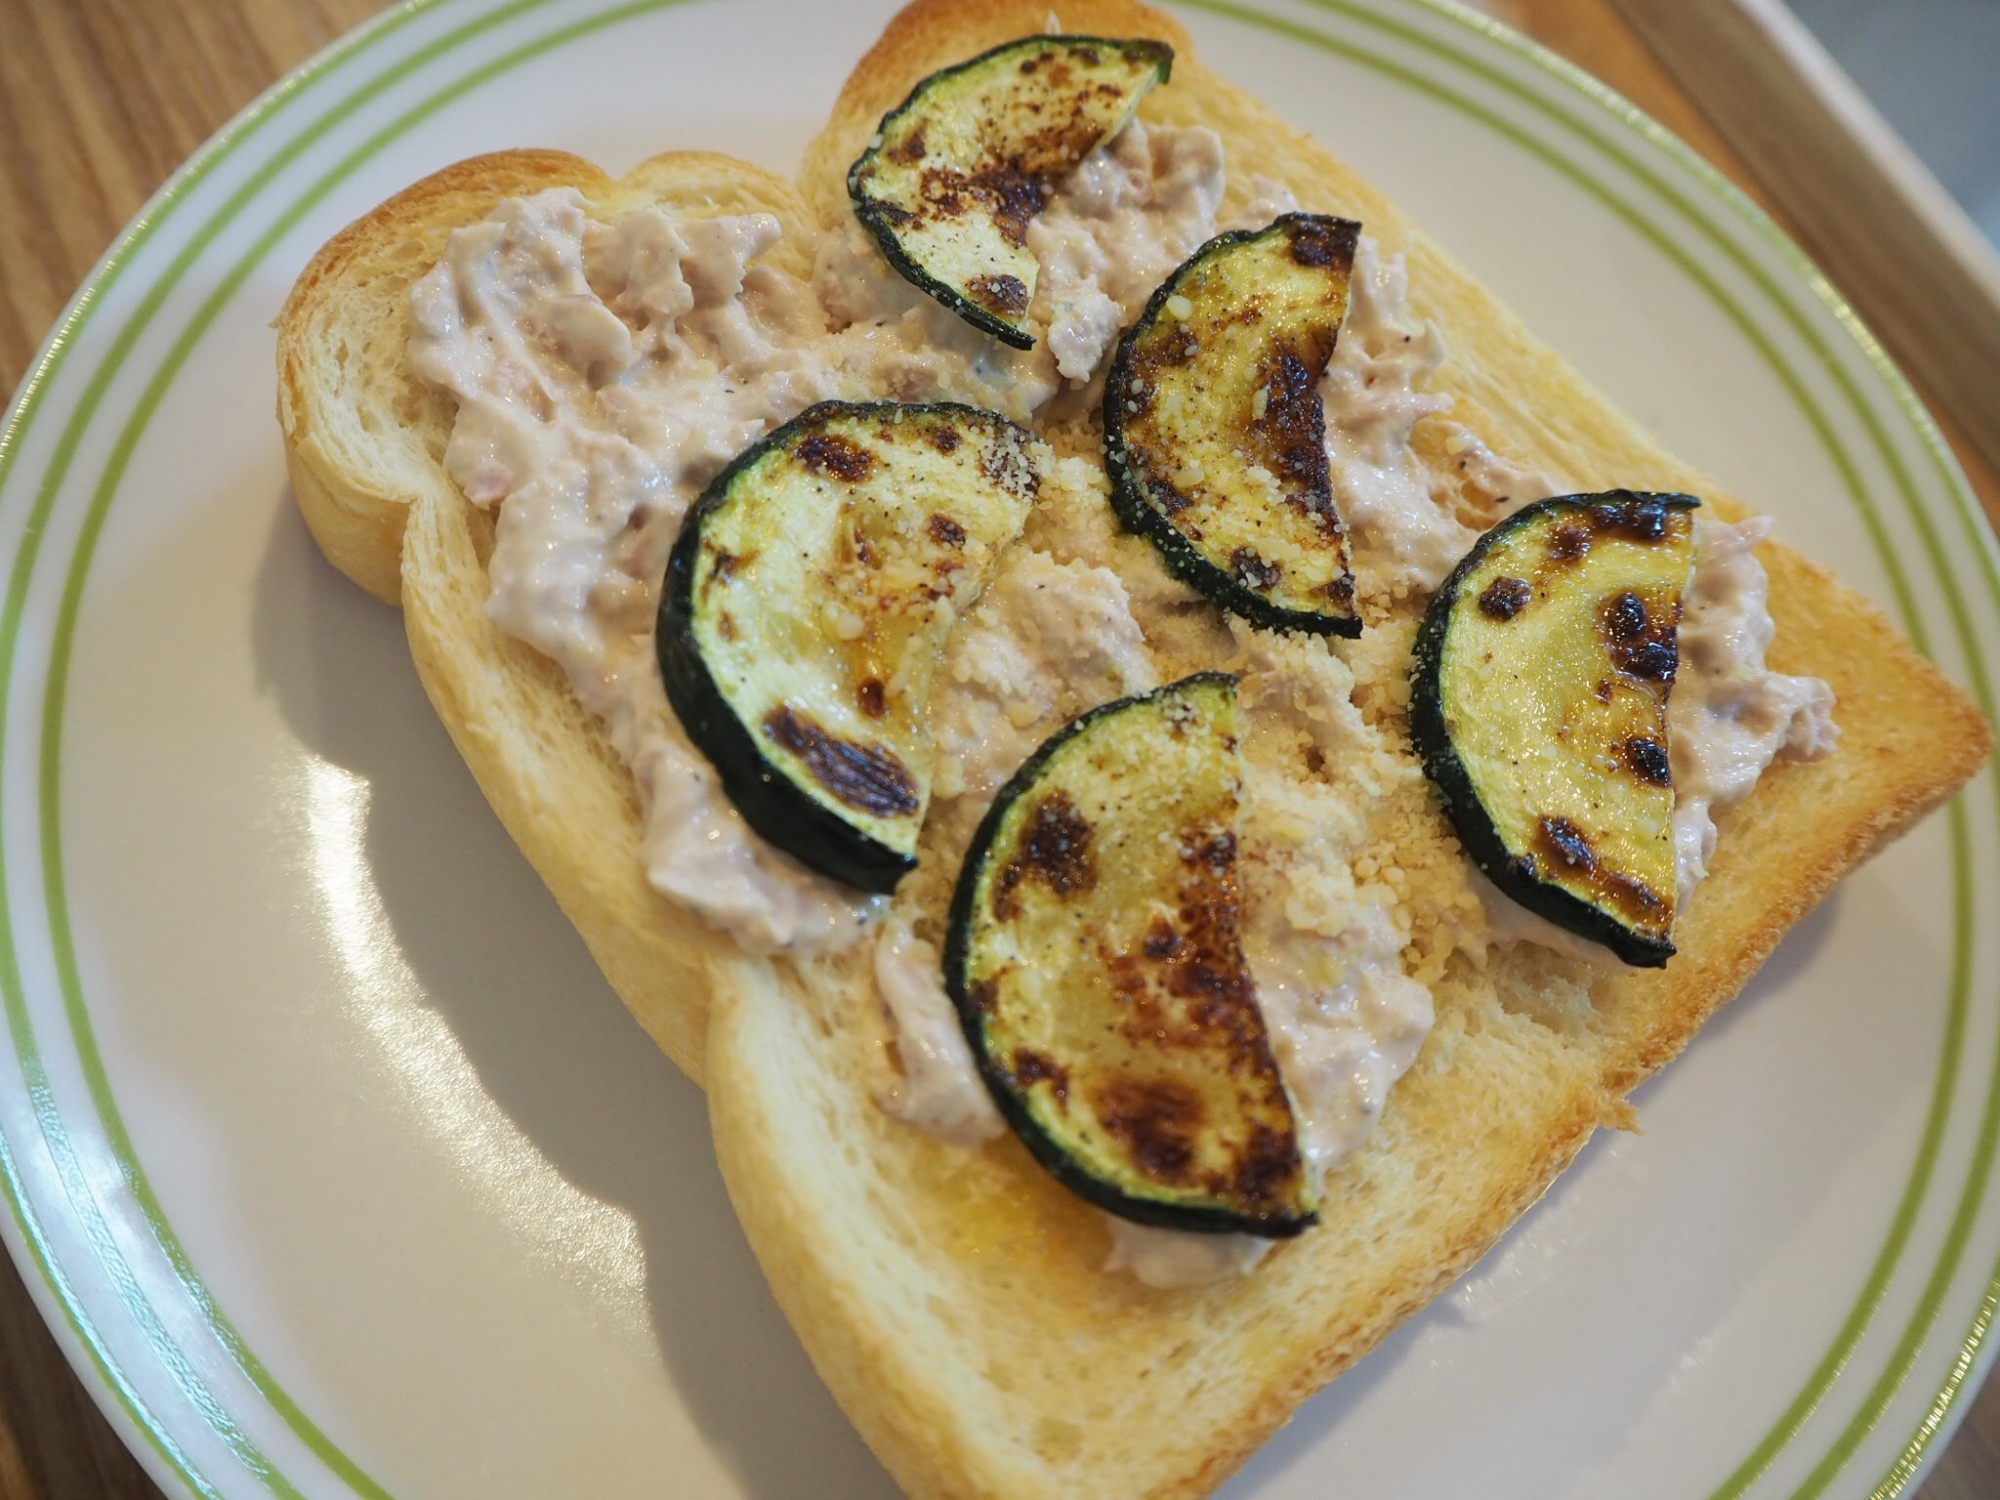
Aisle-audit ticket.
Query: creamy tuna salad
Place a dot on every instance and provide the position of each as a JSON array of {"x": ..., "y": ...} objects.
[{"x": 605, "y": 369}]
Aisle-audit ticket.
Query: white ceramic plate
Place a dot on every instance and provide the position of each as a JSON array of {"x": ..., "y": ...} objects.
[{"x": 339, "y": 1171}]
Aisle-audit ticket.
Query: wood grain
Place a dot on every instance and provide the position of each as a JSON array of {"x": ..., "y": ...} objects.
[{"x": 99, "y": 101}]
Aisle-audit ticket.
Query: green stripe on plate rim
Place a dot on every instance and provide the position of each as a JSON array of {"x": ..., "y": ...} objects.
[
  {"x": 55, "y": 355},
  {"x": 272, "y": 104},
  {"x": 27, "y": 402},
  {"x": 1875, "y": 1287},
  {"x": 1832, "y": 1364}
]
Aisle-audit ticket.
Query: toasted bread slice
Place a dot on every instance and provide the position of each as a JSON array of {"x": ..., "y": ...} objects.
[
  {"x": 956, "y": 1302},
  {"x": 959, "y": 1307}
]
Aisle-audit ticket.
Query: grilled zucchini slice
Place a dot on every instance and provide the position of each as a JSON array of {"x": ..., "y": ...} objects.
[
  {"x": 807, "y": 601},
  {"x": 1539, "y": 709},
  {"x": 952, "y": 179},
  {"x": 1095, "y": 956},
  {"x": 1215, "y": 432}
]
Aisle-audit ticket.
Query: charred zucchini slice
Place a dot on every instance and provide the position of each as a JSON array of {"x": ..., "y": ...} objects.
[
  {"x": 1096, "y": 959},
  {"x": 1539, "y": 708},
  {"x": 952, "y": 179},
  {"x": 1215, "y": 433},
  {"x": 807, "y": 601}
]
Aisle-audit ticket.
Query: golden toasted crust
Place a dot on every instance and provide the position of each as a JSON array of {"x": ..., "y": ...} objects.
[
  {"x": 955, "y": 1302},
  {"x": 958, "y": 1305},
  {"x": 365, "y": 443}
]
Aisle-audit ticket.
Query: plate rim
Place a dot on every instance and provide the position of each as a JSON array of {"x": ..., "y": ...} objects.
[
  {"x": 1975, "y": 1352},
  {"x": 109, "y": 1384}
]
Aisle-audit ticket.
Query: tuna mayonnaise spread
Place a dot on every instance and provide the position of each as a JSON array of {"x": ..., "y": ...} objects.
[{"x": 605, "y": 371}]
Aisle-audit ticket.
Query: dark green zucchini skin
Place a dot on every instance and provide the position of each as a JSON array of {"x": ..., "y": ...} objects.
[
  {"x": 811, "y": 833},
  {"x": 1146, "y": 496},
  {"x": 773, "y": 803},
  {"x": 1282, "y": 1202},
  {"x": 1510, "y": 866},
  {"x": 1011, "y": 188}
]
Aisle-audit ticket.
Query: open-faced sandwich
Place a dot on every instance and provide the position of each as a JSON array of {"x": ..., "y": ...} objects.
[{"x": 1163, "y": 763}]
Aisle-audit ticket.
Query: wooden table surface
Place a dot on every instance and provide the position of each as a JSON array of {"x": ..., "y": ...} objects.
[{"x": 100, "y": 100}]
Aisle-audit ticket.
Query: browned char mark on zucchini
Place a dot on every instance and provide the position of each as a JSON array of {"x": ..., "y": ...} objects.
[
  {"x": 1538, "y": 706},
  {"x": 1215, "y": 430},
  {"x": 1095, "y": 954},
  {"x": 960, "y": 169},
  {"x": 805, "y": 609}
]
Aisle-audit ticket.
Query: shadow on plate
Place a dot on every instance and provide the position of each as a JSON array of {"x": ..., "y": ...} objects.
[{"x": 553, "y": 1047}]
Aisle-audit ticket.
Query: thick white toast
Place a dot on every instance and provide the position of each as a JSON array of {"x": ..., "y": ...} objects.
[{"x": 956, "y": 1302}]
